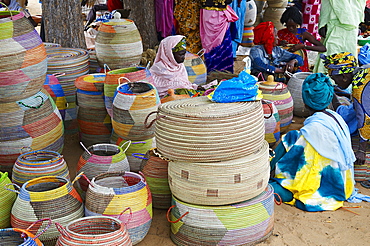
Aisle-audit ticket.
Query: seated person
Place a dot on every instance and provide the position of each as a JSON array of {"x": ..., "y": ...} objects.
[
  {"x": 91, "y": 16},
  {"x": 294, "y": 38},
  {"x": 168, "y": 70},
  {"x": 314, "y": 166},
  {"x": 268, "y": 58},
  {"x": 14, "y": 5}
]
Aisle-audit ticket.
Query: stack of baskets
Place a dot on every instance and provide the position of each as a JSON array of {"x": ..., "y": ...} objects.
[
  {"x": 249, "y": 20},
  {"x": 274, "y": 11},
  {"x": 28, "y": 117},
  {"x": 260, "y": 4},
  {"x": 218, "y": 171}
]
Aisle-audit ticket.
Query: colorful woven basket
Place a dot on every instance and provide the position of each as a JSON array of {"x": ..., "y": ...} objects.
[
  {"x": 23, "y": 58},
  {"x": 245, "y": 223},
  {"x": 53, "y": 87},
  {"x": 118, "y": 44},
  {"x": 6, "y": 201},
  {"x": 37, "y": 164},
  {"x": 295, "y": 89},
  {"x": 111, "y": 193},
  {"x": 155, "y": 170},
  {"x": 222, "y": 182},
  {"x": 196, "y": 129},
  {"x": 272, "y": 122},
  {"x": 362, "y": 172},
  {"x": 197, "y": 70},
  {"x": 131, "y": 106},
  {"x": 94, "y": 230},
  {"x": 93, "y": 62},
  {"x": 47, "y": 197},
  {"x": 34, "y": 122},
  {"x": 248, "y": 36},
  {"x": 51, "y": 45}
]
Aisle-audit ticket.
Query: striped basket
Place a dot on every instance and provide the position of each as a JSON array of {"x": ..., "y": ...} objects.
[
  {"x": 6, "y": 201},
  {"x": 245, "y": 223},
  {"x": 111, "y": 193},
  {"x": 197, "y": 70},
  {"x": 362, "y": 172},
  {"x": 101, "y": 158},
  {"x": 272, "y": 122},
  {"x": 155, "y": 171},
  {"x": 23, "y": 58},
  {"x": 223, "y": 182},
  {"x": 53, "y": 87},
  {"x": 51, "y": 197},
  {"x": 93, "y": 62},
  {"x": 118, "y": 44},
  {"x": 34, "y": 122},
  {"x": 279, "y": 94},
  {"x": 197, "y": 129},
  {"x": 51, "y": 45},
  {"x": 295, "y": 89},
  {"x": 37, "y": 164},
  {"x": 248, "y": 36},
  {"x": 113, "y": 79},
  {"x": 131, "y": 106},
  {"x": 94, "y": 230},
  {"x": 93, "y": 120}
]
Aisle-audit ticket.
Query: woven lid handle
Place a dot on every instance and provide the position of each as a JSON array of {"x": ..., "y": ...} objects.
[
  {"x": 270, "y": 80},
  {"x": 168, "y": 215}
]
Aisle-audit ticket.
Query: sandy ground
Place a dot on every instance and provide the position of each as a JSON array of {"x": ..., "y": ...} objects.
[{"x": 292, "y": 226}]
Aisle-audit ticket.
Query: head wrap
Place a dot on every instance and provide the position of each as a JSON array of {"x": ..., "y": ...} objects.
[
  {"x": 264, "y": 34},
  {"x": 339, "y": 63},
  {"x": 180, "y": 46},
  {"x": 317, "y": 91}
]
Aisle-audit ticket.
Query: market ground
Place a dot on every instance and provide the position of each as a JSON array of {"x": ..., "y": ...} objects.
[{"x": 292, "y": 226}]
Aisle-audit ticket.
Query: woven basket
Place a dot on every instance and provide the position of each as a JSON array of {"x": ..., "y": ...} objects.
[
  {"x": 248, "y": 36},
  {"x": 197, "y": 70},
  {"x": 113, "y": 79},
  {"x": 51, "y": 45},
  {"x": 23, "y": 58},
  {"x": 93, "y": 62},
  {"x": 295, "y": 89},
  {"x": 6, "y": 201},
  {"x": 53, "y": 87},
  {"x": 94, "y": 230},
  {"x": 37, "y": 164},
  {"x": 130, "y": 110},
  {"x": 250, "y": 13},
  {"x": 274, "y": 15},
  {"x": 155, "y": 171},
  {"x": 111, "y": 193},
  {"x": 222, "y": 182},
  {"x": 49, "y": 197},
  {"x": 197, "y": 129},
  {"x": 118, "y": 44},
  {"x": 34, "y": 122},
  {"x": 361, "y": 172},
  {"x": 279, "y": 94},
  {"x": 272, "y": 122},
  {"x": 277, "y": 3},
  {"x": 245, "y": 223}
]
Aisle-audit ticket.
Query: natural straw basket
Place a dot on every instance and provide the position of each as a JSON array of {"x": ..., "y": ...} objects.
[
  {"x": 50, "y": 196},
  {"x": 94, "y": 230},
  {"x": 295, "y": 89},
  {"x": 6, "y": 201},
  {"x": 155, "y": 170},
  {"x": 223, "y": 182},
  {"x": 110, "y": 193},
  {"x": 197, "y": 129},
  {"x": 272, "y": 122},
  {"x": 245, "y": 223},
  {"x": 37, "y": 164},
  {"x": 23, "y": 58}
]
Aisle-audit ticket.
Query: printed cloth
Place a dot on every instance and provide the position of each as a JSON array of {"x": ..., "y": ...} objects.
[
  {"x": 311, "y": 15},
  {"x": 340, "y": 63}
]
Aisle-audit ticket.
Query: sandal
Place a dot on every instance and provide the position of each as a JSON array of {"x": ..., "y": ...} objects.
[{"x": 366, "y": 184}]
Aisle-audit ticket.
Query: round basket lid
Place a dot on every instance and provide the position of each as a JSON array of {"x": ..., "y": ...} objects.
[{"x": 91, "y": 82}]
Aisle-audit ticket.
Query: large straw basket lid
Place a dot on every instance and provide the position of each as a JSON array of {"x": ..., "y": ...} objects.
[{"x": 198, "y": 129}]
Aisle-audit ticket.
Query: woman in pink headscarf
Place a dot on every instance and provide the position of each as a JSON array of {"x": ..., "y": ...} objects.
[{"x": 168, "y": 70}]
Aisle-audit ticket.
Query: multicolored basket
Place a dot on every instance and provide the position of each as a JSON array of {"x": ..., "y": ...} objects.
[
  {"x": 197, "y": 70},
  {"x": 131, "y": 106},
  {"x": 94, "y": 230},
  {"x": 362, "y": 172},
  {"x": 155, "y": 170},
  {"x": 37, "y": 164},
  {"x": 111, "y": 193},
  {"x": 118, "y": 44},
  {"x": 34, "y": 122},
  {"x": 6, "y": 201},
  {"x": 245, "y": 223},
  {"x": 51, "y": 197},
  {"x": 53, "y": 87},
  {"x": 248, "y": 36},
  {"x": 295, "y": 89},
  {"x": 23, "y": 58},
  {"x": 272, "y": 122},
  {"x": 222, "y": 182},
  {"x": 196, "y": 129}
]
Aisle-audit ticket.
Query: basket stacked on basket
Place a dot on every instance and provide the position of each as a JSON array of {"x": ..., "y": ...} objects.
[
  {"x": 218, "y": 170},
  {"x": 274, "y": 11}
]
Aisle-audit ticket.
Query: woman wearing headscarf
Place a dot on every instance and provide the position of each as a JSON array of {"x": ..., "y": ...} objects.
[
  {"x": 168, "y": 70},
  {"x": 267, "y": 57},
  {"x": 342, "y": 68},
  {"x": 314, "y": 166}
]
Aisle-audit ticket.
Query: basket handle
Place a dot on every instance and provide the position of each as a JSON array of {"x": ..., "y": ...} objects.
[
  {"x": 84, "y": 147},
  {"x": 119, "y": 81},
  {"x": 152, "y": 122},
  {"x": 142, "y": 175},
  {"x": 261, "y": 75},
  {"x": 45, "y": 229},
  {"x": 201, "y": 52},
  {"x": 168, "y": 215},
  {"x": 16, "y": 186},
  {"x": 129, "y": 143},
  {"x": 81, "y": 174},
  {"x": 34, "y": 107},
  {"x": 155, "y": 151},
  {"x": 271, "y": 153},
  {"x": 58, "y": 74},
  {"x": 139, "y": 156},
  {"x": 26, "y": 149},
  {"x": 62, "y": 230},
  {"x": 128, "y": 220},
  {"x": 6, "y": 6},
  {"x": 276, "y": 201},
  {"x": 263, "y": 101},
  {"x": 147, "y": 66},
  {"x": 106, "y": 67}
]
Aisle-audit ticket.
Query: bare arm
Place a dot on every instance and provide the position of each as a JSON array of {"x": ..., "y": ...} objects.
[{"x": 318, "y": 46}]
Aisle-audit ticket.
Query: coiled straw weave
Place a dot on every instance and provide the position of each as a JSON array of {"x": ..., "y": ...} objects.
[
  {"x": 18, "y": 237},
  {"x": 295, "y": 89},
  {"x": 6, "y": 201}
]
